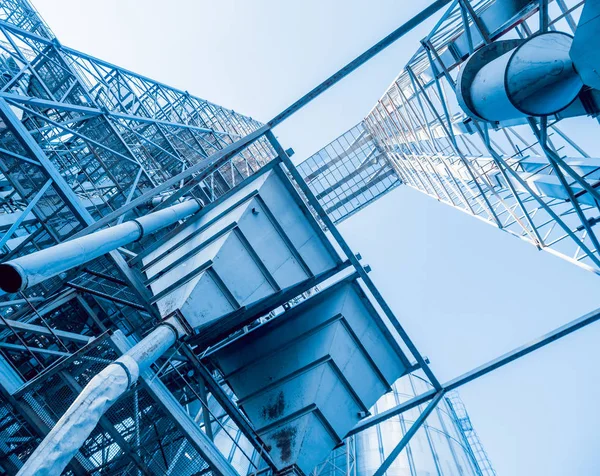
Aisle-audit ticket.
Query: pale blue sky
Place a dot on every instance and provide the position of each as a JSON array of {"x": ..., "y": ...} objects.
[{"x": 465, "y": 291}]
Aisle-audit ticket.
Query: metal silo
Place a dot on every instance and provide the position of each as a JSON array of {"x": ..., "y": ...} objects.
[{"x": 443, "y": 446}]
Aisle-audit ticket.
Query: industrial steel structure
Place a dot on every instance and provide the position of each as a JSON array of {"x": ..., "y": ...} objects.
[
  {"x": 451, "y": 129},
  {"x": 349, "y": 173},
  {"x": 161, "y": 254}
]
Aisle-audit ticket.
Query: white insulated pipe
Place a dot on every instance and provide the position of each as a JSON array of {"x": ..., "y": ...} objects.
[
  {"x": 80, "y": 419},
  {"x": 75, "y": 426},
  {"x": 23, "y": 272}
]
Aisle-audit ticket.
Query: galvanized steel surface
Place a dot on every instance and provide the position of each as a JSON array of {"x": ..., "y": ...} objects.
[
  {"x": 535, "y": 78},
  {"x": 250, "y": 246}
]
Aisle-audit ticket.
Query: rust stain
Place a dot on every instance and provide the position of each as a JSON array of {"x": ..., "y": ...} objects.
[
  {"x": 285, "y": 440},
  {"x": 274, "y": 410}
]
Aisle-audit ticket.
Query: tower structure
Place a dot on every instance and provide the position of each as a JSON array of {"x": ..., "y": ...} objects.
[
  {"x": 520, "y": 163},
  {"x": 84, "y": 142}
]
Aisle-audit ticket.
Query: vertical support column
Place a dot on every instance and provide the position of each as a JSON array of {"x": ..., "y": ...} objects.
[
  {"x": 205, "y": 410},
  {"x": 544, "y": 20}
]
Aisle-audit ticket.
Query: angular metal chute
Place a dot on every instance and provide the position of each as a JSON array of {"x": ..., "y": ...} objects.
[
  {"x": 305, "y": 378},
  {"x": 252, "y": 245}
]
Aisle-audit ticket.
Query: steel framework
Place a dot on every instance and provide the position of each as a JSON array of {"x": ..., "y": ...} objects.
[
  {"x": 349, "y": 173},
  {"x": 84, "y": 143},
  {"x": 528, "y": 177}
]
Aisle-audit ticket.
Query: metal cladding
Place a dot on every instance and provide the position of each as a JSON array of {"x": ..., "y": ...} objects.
[
  {"x": 305, "y": 378},
  {"x": 21, "y": 273},
  {"x": 510, "y": 79},
  {"x": 248, "y": 247}
]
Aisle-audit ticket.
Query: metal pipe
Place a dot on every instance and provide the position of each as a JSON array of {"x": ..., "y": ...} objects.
[
  {"x": 23, "y": 272},
  {"x": 512, "y": 79},
  {"x": 75, "y": 426}
]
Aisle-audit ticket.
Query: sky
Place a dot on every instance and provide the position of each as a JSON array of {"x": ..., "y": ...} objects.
[{"x": 464, "y": 291}]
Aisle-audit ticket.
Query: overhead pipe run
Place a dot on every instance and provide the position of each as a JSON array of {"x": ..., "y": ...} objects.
[
  {"x": 512, "y": 79},
  {"x": 26, "y": 271},
  {"x": 75, "y": 426}
]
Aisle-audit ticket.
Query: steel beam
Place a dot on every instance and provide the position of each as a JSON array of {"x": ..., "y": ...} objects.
[
  {"x": 22, "y": 348},
  {"x": 525, "y": 349},
  {"x": 44, "y": 331},
  {"x": 409, "y": 434},
  {"x": 392, "y": 412},
  {"x": 360, "y": 60},
  {"x": 482, "y": 370},
  {"x": 14, "y": 227}
]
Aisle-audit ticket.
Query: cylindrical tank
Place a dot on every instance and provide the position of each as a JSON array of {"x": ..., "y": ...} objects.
[
  {"x": 514, "y": 78},
  {"x": 438, "y": 448}
]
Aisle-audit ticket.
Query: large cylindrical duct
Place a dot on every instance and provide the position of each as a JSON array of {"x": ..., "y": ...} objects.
[
  {"x": 26, "y": 271},
  {"x": 511, "y": 79},
  {"x": 74, "y": 427}
]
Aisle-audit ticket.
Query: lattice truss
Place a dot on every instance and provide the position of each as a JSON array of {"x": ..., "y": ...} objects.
[
  {"x": 139, "y": 435},
  {"x": 501, "y": 174},
  {"x": 80, "y": 138},
  {"x": 109, "y": 134}
]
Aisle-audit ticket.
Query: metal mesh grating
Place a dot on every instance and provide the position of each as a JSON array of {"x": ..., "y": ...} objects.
[{"x": 17, "y": 440}]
